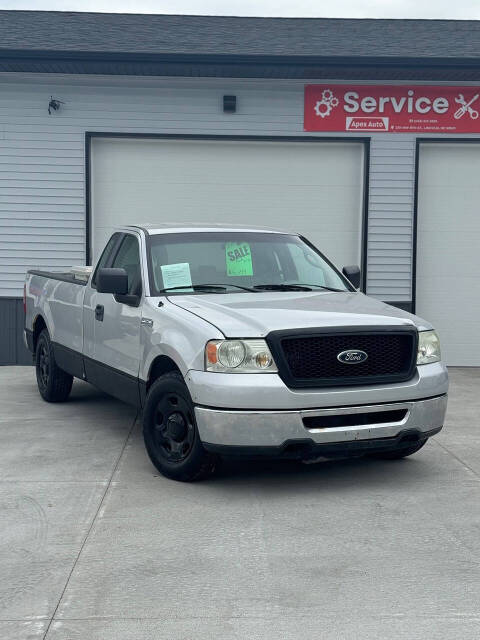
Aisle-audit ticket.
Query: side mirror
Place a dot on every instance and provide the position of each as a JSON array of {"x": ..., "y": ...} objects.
[
  {"x": 353, "y": 274},
  {"x": 111, "y": 280}
]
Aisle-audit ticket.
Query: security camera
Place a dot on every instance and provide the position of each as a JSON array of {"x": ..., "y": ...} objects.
[{"x": 54, "y": 105}]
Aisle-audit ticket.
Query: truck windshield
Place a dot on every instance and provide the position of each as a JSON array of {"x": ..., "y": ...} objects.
[{"x": 227, "y": 262}]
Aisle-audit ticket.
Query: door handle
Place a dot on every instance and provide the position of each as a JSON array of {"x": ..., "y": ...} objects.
[{"x": 99, "y": 312}]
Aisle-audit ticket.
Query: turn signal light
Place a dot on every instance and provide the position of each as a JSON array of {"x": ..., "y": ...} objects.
[{"x": 211, "y": 352}]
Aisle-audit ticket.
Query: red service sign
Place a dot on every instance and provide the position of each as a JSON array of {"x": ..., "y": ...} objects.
[{"x": 393, "y": 108}]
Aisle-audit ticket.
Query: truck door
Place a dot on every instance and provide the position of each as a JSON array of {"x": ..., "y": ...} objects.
[{"x": 112, "y": 327}]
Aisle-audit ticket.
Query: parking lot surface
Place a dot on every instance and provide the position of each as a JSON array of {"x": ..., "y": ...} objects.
[{"x": 94, "y": 544}]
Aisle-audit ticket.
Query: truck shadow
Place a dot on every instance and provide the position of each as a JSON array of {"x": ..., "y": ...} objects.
[
  {"x": 278, "y": 476},
  {"x": 287, "y": 476},
  {"x": 88, "y": 395}
]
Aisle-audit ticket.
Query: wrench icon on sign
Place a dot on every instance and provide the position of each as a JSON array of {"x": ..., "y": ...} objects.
[{"x": 466, "y": 107}]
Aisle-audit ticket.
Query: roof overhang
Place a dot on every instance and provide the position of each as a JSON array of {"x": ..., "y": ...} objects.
[{"x": 228, "y": 66}]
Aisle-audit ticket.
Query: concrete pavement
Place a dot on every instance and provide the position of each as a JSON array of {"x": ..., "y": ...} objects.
[{"x": 95, "y": 545}]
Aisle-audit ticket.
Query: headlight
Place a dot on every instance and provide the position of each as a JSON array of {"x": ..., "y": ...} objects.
[
  {"x": 428, "y": 347},
  {"x": 239, "y": 356}
]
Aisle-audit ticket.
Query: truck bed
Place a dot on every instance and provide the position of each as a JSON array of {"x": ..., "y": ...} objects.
[{"x": 58, "y": 275}]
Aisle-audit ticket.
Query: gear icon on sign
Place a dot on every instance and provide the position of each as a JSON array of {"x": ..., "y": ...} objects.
[{"x": 324, "y": 106}]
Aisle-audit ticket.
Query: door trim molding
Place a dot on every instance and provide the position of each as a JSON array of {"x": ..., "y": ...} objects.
[{"x": 114, "y": 382}]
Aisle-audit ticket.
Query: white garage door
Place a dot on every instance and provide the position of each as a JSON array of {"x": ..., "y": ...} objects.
[
  {"x": 448, "y": 283},
  {"x": 315, "y": 188}
]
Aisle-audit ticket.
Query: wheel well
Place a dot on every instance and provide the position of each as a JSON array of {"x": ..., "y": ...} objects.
[
  {"x": 38, "y": 326},
  {"x": 161, "y": 365}
]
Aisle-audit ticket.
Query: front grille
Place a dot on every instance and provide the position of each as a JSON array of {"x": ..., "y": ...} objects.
[{"x": 307, "y": 360}]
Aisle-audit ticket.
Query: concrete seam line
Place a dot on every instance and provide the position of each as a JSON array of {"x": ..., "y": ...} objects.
[
  {"x": 94, "y": 519},
  {"x": 464, "y": 464}
]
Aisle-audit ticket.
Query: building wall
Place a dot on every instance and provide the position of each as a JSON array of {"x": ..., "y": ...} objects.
[
  {"x": 390, "y": 215},
  {"x": 42, "y": 162},
  {"x": 12, "y": 349}
]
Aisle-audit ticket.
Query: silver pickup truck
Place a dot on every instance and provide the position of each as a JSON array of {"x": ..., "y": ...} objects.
[{"x": 237, "y": 342}]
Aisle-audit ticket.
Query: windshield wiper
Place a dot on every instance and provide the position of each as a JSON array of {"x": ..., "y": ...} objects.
[
  {"x": 323, "y": 286},
  {"x": 292, "y": 287},
  {"x": 195, "y": 287},
  {"x": 206, "y": 287},
  {"x": 282, "y": 287},
  {"x": 229, "y": 284},
  {"x": 221, "y": 288}
]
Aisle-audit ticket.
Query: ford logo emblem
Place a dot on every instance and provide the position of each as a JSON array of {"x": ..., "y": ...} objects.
[{"x": 352, "y": 356}]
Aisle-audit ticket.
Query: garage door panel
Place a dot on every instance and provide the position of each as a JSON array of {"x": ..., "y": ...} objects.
[
  {"x": 448, "y": 241},
  {"x": 447, "y": 160},
  {"x": 447, "y": 288},
  {"x": 230, "y": 205},
  {"x": 431, "y": 266},
  {"x": 444, "y": 293},
  {"x": 284, "y": 196},
  {"x": 312, "y": 188},
  {"x": 215, "y": 162},
  {"x": 458, "y": 354},
  {"x": 446, "y": 203}
]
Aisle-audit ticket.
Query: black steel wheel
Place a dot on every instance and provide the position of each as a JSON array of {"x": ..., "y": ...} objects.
[
  {"x": 43, "y": 366},
  {"x": 54, "y": 384},
  {"x": 170, "y": 432},
  {"x": 174, "y": 427}
]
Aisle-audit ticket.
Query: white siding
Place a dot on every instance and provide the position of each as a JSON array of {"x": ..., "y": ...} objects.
[
  {"x": 390, "y": 226},
  {"x": 42, "y": 199}
]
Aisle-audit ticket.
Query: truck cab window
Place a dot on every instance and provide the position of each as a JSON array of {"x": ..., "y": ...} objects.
[
  {"x": 105, "y": 256},
  {"x": 128, "y": 258},
  {"x": 241, "y": 259}
]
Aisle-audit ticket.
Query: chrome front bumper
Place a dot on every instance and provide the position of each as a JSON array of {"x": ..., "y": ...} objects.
[
  {"x": 267, "y": 391},
  {"x": 273, "y": 429}
]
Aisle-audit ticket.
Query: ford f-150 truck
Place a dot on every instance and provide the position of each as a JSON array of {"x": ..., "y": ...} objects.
[{"x": 237, "y": 341}]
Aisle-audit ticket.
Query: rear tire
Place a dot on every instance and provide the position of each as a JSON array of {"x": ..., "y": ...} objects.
[
  {"x": 170, "y": 431},
  {"x": 54, "y": 384},
  {"x": 399, "y": 452}
]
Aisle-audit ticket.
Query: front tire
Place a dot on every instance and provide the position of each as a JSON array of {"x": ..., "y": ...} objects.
[
  {"x": 170, "y": 431},
  {"x": 54, "y": 384}
]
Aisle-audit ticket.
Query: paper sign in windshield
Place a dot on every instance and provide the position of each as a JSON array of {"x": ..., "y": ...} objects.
[
  {"x": 239, "y": 259},
  {"x": 176, "y": 275}
]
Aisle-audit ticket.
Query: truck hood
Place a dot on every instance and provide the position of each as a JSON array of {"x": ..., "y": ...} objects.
[{"x": 254, "y": 315}]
